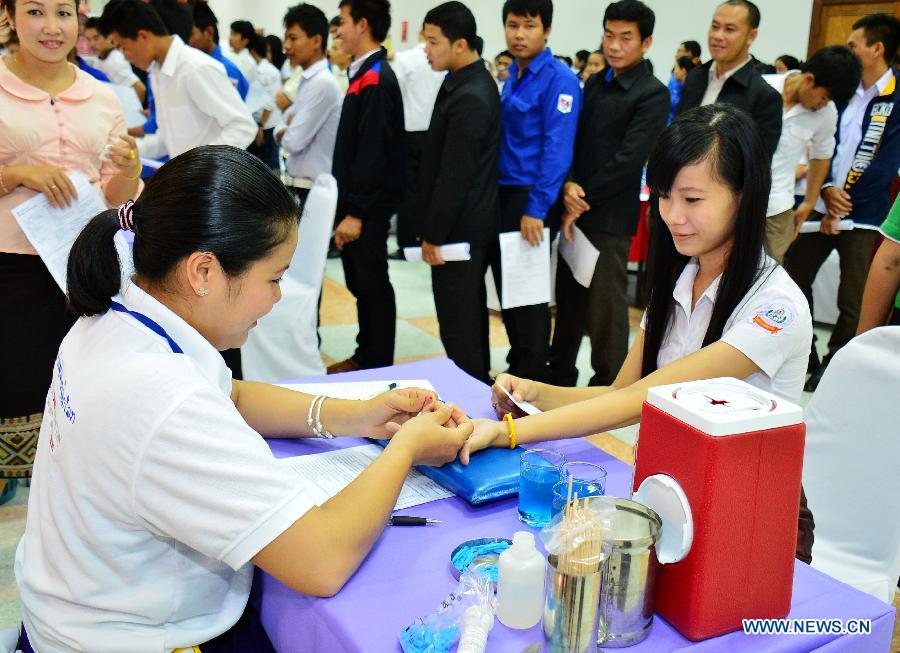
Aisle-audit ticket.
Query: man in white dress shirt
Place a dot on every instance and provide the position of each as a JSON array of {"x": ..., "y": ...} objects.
[
  {"x": 419, "y": 86},
  {"x": 196, "y": 103},
  {"x": 111, "y": 60},
  {"x": 309, "y": 126},
  {"x": 239, "y": 40},
  {"x": 810, "y": 117}
]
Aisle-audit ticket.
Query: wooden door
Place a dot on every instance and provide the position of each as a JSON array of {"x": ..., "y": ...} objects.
[{"x": 832, "y": 20}]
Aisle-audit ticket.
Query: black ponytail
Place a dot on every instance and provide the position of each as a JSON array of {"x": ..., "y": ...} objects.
[
  {"x": 93, "y": 270},
  {"x": 216, "y": 198}
]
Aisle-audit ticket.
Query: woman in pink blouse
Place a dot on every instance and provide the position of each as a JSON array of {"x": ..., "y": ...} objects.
[{"x": 54, "y": 120}]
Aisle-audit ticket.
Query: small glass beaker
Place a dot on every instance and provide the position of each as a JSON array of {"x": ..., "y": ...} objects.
[
  {"x": 588, "y": 480},
  {"x": 539, "y": 471}
]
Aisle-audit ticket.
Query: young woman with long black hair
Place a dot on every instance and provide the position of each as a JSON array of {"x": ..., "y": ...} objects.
[
  {"x": 718, "y": 306},
  {"x": 153, "y": 489}
]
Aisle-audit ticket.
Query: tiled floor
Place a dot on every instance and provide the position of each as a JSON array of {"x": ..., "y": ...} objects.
[{"x": 417, "y": 338}]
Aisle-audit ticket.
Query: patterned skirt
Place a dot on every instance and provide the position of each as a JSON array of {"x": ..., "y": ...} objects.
[{"x": 33, "y": 321}]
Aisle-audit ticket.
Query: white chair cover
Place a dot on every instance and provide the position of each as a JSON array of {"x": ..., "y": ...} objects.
[
  {"x": 851, "y": 473},
  {"x": 284, "y": 344}
]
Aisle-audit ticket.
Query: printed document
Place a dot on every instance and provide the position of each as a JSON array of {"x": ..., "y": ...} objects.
[
  {"x": 581, "y": 256},
  {"x": 451, "y": 252},
  {"x": 53, "y": 231},
  {"x": 356, "y": 389},
  {"x": 326, "y": 474},
  {"x": 525, "y": 278}
]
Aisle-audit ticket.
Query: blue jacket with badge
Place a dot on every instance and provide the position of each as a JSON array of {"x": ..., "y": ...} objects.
[
  {"x": 539, "y": 120},
  {"x": 876, "y": 159}
]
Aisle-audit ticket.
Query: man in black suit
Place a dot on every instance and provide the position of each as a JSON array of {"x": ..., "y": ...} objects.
[
  {"x": 456, "y": 199},
  {"x": 730, "y": 76},
  {"x": 624, "y": 111}
]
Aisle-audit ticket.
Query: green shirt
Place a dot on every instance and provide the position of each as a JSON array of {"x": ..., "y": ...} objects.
[{"x": 891, "y": 229}]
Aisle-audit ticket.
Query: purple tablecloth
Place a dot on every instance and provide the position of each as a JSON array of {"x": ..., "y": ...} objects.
[{"x": 407, "y": 573}]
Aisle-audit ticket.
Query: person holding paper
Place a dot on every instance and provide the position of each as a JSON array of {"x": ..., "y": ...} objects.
[
  {"x": 152, "y": 469},
  {"x": 460, "y": 152},
  {"x": 625, "y": 110},
  {"x": 718, "y": 305},
  {"x": 196, "y": 103},
  {"x": 541, "y": 100},
  {"x": 55, "y": 120},
  {"x": 369, "y": 166}
]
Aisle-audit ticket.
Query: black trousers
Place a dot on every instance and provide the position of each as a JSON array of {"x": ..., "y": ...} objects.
[
  {"x": 366, "y": 273},
  {"x": 460, "y": 298},
  {"x": 855, "y": 248},
  {"x": 528, "y": 327},
  {"x": 601, "y": 311},
  {"x": 406, "y": 214},
  {"x": 268, "y": 151}
]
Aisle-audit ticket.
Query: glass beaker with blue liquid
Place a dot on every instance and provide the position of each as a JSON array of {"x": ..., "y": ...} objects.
[
  {"x": 588, "y": 480},
  {"x": 539, "y": 471}
]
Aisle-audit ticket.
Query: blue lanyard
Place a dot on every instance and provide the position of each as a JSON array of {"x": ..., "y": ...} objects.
[{"x": 150, "y": 324}]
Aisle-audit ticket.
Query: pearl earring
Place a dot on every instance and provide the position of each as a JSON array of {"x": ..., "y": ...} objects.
[{"x": 203, "y": 292}]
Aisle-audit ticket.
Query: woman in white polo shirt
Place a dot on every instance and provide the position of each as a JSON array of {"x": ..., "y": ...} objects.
[
  {"x": 153, "y": 489},
  {"x": 718, "y": 306}
]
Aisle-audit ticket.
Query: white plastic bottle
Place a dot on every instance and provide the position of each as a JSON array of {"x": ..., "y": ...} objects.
[{"x": 520, "y": 590}]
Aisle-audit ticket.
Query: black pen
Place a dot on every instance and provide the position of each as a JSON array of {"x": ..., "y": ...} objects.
[{"x": 404, "y": 520}]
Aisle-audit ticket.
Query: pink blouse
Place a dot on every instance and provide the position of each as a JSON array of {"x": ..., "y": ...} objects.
[{"x": 70, "y": 133}]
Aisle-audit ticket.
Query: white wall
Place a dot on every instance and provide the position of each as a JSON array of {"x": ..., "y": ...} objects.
[{"x": 577, "y": 24}]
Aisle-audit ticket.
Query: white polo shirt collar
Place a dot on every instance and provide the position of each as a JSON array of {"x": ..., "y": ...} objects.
[
  {"x": 315, "y": 69},
  {"x": 171, "y": 61},
  {"x": 683, "y": 293},
  {"x": 203, "y": 355}
]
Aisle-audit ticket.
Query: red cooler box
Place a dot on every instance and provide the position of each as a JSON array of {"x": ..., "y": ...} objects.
[{"x": 721, "y": 462}]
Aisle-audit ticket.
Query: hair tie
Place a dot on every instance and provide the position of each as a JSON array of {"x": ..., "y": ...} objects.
[{"x": 126, "y": 216}]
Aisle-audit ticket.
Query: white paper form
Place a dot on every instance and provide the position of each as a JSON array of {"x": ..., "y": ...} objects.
[
  {"x": 525, "y": 278},
  {"x": 581, "y": 256},
  {"x": 527, "y": 407},
  {"x": 846, "y": 224},
  {"x": 53, "y": 231},
  {"x": 450, "y": 252},
  {"x": 356, "y": 389},
  {"x": 326, "y": 474}
]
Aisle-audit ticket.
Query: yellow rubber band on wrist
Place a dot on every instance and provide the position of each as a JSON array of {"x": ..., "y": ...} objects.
[{"x": 512, "y": 430}]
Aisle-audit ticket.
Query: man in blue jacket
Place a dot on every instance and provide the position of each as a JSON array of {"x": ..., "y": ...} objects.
[
  {"x": 858, "y": 188},
  {"x": 541, "y": 100}
]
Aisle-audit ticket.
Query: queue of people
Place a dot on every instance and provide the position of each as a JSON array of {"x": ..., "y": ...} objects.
[{"x": 174, "y": 495}]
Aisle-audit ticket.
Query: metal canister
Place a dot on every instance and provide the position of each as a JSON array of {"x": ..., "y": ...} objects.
[
  {"x": 630, "y": 571},
  {"x": 571, "y": 604}
]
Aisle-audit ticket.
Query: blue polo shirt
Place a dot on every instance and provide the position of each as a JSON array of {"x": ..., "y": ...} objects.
[{"x": 540, "y": 117}]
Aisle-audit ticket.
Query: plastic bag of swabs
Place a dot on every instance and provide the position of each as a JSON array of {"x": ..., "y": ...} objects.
[{"x": 574, "y": 538}]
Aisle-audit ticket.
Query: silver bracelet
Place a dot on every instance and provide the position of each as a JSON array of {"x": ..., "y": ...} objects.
[
  {"x": 320, "y": 430},
  {"x": 310, "y": 424}
]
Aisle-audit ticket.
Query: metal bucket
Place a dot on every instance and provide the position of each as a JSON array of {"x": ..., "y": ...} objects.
[{"x": 630, "y": 572}]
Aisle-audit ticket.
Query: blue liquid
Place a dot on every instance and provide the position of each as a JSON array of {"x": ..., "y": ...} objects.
[
  {"x": 582, "y": 488},
  {"x": 536, "y": 495}
]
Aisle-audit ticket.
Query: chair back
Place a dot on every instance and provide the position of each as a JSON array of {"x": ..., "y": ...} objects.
[{"x": 850, "y": 473}]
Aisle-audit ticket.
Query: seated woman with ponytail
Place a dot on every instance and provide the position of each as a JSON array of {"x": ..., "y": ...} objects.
[
  {"x": 154, "y": 494},
  {"x": 718, "y": 306}
]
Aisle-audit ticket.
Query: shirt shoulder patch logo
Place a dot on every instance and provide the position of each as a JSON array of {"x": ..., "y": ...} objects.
[
  {"x": 774, "y": 318},
  {"x": 564, "y": 103}
]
